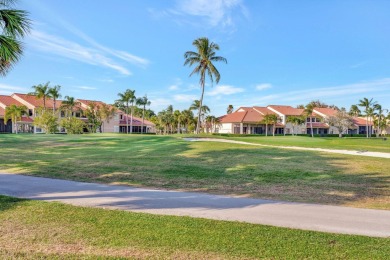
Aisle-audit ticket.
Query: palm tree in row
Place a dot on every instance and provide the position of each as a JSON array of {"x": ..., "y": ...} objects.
[
  {"x": 127, "y": 98},
  {"x": 296, "y": 121},
  {"x": 368, "y": 105},
  {"x": 270, "y": 119},
  {"x": 203, "y": 59},
  {"x": 143, "y": 101},
  {"x": 69, "y": 105},
  {"x": 14, "y": 25},
  {"x": 14, "y": 113},
  {"x": 308, "y": 113}
]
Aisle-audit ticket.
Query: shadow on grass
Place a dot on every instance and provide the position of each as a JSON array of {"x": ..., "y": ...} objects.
[
  {"x": 169, "y": 163},
  {"x": 7, "y": 203}
]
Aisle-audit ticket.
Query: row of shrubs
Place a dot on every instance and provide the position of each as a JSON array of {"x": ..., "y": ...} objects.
[{"x": 316, "y": 135}]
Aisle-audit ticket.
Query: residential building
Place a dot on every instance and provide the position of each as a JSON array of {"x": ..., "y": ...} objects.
[
  {"x": 249, "y": 120},
  {"x": 115, "y": 124}
]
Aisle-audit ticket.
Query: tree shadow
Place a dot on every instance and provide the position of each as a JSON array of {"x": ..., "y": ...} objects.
[{"x": 227, "y": 169}]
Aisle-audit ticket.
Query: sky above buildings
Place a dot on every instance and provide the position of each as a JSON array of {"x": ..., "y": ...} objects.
[{"x": 278, "y": 52}]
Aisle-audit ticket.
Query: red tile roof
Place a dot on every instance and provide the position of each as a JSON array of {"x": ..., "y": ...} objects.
[
  {"x": 287, "y": 110},
  {"x": 8, "y": 100},
  {"x": 136, "y": 121},
  {"x": 252, "y": 116},
  {"x": 264, "y": 110},
  {"x": 86, "y": 102},
  {"x": 38, "y": 102},
  {"x": 359, "y": 121},
  {"x": 235, "y": 117},
  {"x": 326, "y": 111}
]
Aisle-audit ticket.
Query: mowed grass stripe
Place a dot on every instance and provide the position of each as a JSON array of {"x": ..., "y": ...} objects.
[
  {"x": 221, "y": 168},
  {"x": 42, "y": 229}
]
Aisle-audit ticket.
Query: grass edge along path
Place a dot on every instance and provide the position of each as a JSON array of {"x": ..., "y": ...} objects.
[{"x": 42, "y": 229}]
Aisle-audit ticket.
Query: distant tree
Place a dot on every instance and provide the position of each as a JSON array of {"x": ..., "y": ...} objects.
[
  {"x": 295, "y": 121},
  {"x": 301, "y": 106},
  {"x": 318, "y": 103},
  {"x": 14, "y": 25},
  {"x": 229, "y": 109},
  {"x": 73, "y": 125},
  {"x": 97, "y": 115},
  {"x": 354, "y": 111},
  {"x": 69, "y": 105},
  {"x": 46, "y": 120},
  {"x": 380, "y": 118},
  {"x": 367, "y": 104},
  {"x": 14, "y": 113},
  {"x": 203, "y": 60},
  {"x": 342, "y": 121},
  {"x": 54, "y": 93},
  {"x": 270, "y": 119},
  {"x": 41, "y": 91},
  {"x": 144, "y": 101},
  {"x": 308, "y": 113},
  {"x": 127, "y": 98},
  {"x": 204, "y": 110}
]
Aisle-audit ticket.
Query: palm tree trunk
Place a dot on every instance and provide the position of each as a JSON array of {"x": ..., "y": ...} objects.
[
  {"x": 273, "y": 130},
  {"x": 367, "y": 126},
  {"x": 131, "y": 118},
  {"x": 127, "y": 118},
  {"x": 143, "y": 117},
  {"x": 266, "y": 129},
  {"x": 200, "y": 109},
  {"x": 311, "y": 128}
]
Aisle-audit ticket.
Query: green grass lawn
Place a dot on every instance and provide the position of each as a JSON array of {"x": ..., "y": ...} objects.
[
  {"x": 221, "y": 168},
  {"x": 35, "y": 229},
  {"x": 346, "y": 143}
]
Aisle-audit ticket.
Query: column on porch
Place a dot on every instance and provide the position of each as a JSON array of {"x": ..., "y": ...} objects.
[{"x": 241, "y": 128}]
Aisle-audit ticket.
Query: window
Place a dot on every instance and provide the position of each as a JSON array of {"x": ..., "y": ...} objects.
[
  {"x": 78, "y": 114},
  {"x": 30, "y": 112},
  {"x": 308, "y": 119},
  {"x": 121, "y": 116},
  {"x": 62, "y": 113},
  {"x": 313, "y": 119}
]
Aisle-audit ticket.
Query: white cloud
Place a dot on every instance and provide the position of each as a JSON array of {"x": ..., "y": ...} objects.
[
  {"x": 86, "y": 87},
  {"x": 173, "y": 87},
  {"x": 263, "y": 86},
  {"x": 8, "y": 89},
  {"x": 224, "y": 90},
  {"x": 75, "y": 51},
  {"x": 184, "y": 98},
  {"x": 216, "y": 13}
]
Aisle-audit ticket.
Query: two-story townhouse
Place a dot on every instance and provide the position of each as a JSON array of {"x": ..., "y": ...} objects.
[{"x": 24, "y": 124}]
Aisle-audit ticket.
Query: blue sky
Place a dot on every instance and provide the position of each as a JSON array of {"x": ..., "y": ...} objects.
[{"x": 278, "y": 52}]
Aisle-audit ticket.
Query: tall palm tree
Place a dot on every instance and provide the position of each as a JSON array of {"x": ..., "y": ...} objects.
[
  {"x": 203, "y": 60},
  {"x": 41, "y": 91},
  {"x": 354, "y": 111},
  {"x": 229, "y": 109},
  {"x": 308, "y": 113},
  {"x": 366, "y": 104},
  {"x": 54, "y": 93},
  {"x": 379, "y": 117},
  {"x": 14, "y": 25},
  {"x": 14, "y": 113},
  {"x": 127, "y": 98},
  {"x": 144, "y": 101},
  {"x": 69, "y": 104}
]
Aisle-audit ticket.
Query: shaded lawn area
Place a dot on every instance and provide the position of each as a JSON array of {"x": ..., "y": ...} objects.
[
  {"x": 345, "y": 143},
  {"x": 221, "y": 168},
  {"x": 36, "y": 229}
]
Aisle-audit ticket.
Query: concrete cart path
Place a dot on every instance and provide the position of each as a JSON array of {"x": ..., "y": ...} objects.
[
  {"x": 277, "y": 213},
  {"x": 349, "y": 152}
]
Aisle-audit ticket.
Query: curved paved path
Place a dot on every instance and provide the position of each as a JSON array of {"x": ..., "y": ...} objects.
[
  {"x": 350, "y": 152},
  {"x": 277, "y": 213}
]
